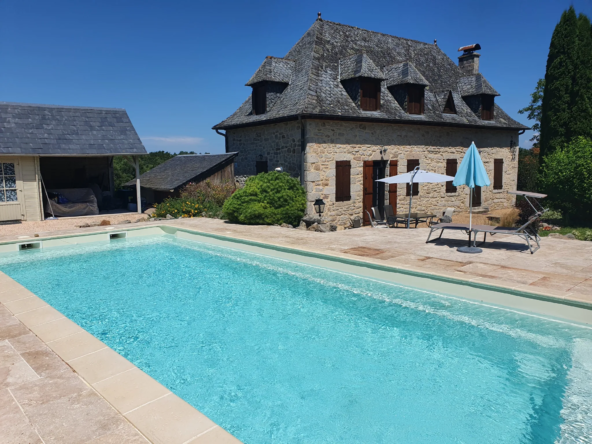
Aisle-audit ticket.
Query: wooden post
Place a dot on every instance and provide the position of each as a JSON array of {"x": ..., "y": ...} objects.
[{"x": 138, "y": 191}]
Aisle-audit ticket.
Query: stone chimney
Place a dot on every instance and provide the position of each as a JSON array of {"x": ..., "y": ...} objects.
[{"x": 468, "y": 62}]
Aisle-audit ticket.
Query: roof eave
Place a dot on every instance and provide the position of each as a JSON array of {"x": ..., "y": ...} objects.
[{"x": 367, "y": 119}]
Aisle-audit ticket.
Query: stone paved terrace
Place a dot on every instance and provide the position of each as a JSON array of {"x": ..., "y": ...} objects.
[{"x": 43, "y": 399}]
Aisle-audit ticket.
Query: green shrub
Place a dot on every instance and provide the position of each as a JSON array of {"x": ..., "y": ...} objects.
[
  {"x": 178, "y": 207},
  {"x": 208, "y": 194},
  {"x": 267, "y": 199},
  {"x": 566, "y": 177}
]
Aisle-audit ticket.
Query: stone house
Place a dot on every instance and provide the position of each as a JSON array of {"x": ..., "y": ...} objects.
[{"x": 347, "y": 106}]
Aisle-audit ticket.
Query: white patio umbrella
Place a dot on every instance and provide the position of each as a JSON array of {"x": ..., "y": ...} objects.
[{"x": 416, "y": 176}]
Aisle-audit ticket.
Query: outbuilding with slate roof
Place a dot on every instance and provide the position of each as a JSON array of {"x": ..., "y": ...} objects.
[
  {"x": 168, "y": 178},
  {"x": 46, "y": 148},
  {"x": 347, "y": 106}
]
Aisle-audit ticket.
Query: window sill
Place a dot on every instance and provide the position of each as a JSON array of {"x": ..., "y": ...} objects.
[{"x": 498, "y": 191}]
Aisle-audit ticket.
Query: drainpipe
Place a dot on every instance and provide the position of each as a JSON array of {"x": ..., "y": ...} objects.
[
  {"x": 225, "y": 140},
  {"x": 302, "y": 148}
]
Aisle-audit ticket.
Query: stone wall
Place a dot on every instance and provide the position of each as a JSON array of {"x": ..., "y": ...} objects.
[
  {"x": 279, "y": 144},
  {"x": 329, "y": 141}
]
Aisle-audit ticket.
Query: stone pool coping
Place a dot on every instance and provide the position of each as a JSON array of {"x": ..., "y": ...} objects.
[{"x": 156, "y": 412}]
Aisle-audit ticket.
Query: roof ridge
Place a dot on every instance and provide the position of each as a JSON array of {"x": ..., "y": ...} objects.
[
  {"x": 376, "y": 32},
  {"x": 62, "y": 106}
]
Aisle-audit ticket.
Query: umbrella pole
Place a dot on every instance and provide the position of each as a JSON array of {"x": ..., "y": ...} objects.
[
  {"x": 470, "y": 214},
  {"x": 410, "y": 202}
]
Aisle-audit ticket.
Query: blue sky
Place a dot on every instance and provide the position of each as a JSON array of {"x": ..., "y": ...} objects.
[{"x": 179, "y": 67}]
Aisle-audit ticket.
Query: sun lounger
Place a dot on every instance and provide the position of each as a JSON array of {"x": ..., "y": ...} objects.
[
  {"x": 451, "y": 226},
  {"x": 526, "y": 232}
]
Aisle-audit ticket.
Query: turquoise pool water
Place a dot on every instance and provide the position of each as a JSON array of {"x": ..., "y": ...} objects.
[{"x": 279, "y": 352}]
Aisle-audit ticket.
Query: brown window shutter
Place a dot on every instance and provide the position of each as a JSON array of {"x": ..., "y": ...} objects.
[
  {"x": 415, "y": 99},
  {"x": 451, "y": 168},
  {"x": 498, "y": 174},
  {"x": 342, "y": 180},
  {"x": 487, "y": 106},
  {"x": 393, "y": 171},
  {"x": 411, "y": 164},
  {"x": 369, "y": 95}
]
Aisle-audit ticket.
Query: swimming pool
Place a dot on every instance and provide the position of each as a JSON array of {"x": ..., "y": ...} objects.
[{"x": 278, "y": 351}]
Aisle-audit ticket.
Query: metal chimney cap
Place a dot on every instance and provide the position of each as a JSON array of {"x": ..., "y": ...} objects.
[{"x": 470, "y": 48}]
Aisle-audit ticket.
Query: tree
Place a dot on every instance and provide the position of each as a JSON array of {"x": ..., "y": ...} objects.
[
  {"x": 566, "y": 177},
  {"x": 558, "y": 98},
  {"x": 581, "y": 121},
  {"x": 534, "y": 110}
]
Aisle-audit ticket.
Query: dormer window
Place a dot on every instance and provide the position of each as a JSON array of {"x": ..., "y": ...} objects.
[
  {"x": 415, "y": 99},
  {"x": 361, "y": 80},
  {"x": 369, "y": 95},
  {"x": 449, "y": 107},
  {"x": 259, "y": 99},
  {"x": 269, "y": 82},
  {"x": 487, "y": 107}
]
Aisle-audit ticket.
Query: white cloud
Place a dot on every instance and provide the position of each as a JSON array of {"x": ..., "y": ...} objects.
[{"x": 174, "y": 140}]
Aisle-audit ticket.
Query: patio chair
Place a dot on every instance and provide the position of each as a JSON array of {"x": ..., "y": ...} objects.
[
  {"x": 391, "y": 218},
  {"x": 526, "y": 232},
  {"x": 375, "y": 223}
]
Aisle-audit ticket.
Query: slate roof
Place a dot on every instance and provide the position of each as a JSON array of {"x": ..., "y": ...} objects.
[
  {"x": 475, "y": 84},
  {"x": 182, "y": 169},
  {"x": 402, "y": 73},
  {"x": 359, "y": 65},
  {"x": 273, "y": 69},
  {"x": 48, "y": 130},
  {"x": 315, "y": 88}
]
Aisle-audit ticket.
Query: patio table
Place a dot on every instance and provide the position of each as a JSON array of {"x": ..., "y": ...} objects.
[{"x": 415, "y": 217}]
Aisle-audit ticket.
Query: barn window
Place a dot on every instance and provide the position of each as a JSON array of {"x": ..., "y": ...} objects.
[
  {"x": 342, "y": 180},
  {"x": 7, "y": 183},
  {"x": 451, "y": 167},
  {"x": 486, "y": 107},
  {"x": 449, "y": 107},
  {"x": 415, "y": 99},
  {"x": 498, "y": 174},
  {"x": 411, "y": 164},
  {"x": 259, "y": 99},
  {"x": 369, "y": 95}
]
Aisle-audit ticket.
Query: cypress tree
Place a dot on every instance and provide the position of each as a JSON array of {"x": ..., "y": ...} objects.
[
  {"x": 559, "y": 78},
  {"x": 581, "y": 121}
]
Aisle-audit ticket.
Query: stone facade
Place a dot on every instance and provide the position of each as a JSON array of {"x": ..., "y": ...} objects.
[
  {"x": 330, "y": 141},
  {"x": 279, "y": 144}
]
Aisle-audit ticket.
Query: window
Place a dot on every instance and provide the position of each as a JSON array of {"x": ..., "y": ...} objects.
[
  {"x": 414, "y": 99},
  {"x": 451, "y": 167},
  {"x": 498, "y": 174},
  {"x": 342, "y": 180},
  {"x": 369, "y": 95},
  {"x": 486, "y": 107},
  {"x": 411, "y": 164},
  {"x": 449, "y": 107},
  {"x": 7, "y": 183},
  {"x": 261, "y": 166},
  {"x": 259, "y": 99}
]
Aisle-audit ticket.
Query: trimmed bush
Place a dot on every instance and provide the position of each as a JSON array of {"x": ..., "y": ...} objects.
[
  {"x": 566, "y": 176},
  {"x": 178, "y": 207},
  {"x": 267, "y": 199}
]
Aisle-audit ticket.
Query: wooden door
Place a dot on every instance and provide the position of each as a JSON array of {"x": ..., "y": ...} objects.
[
  {"x": 476, "y": 196},
  {"x": 368, "y": 187},
  {"x": 393, "y": 171}
]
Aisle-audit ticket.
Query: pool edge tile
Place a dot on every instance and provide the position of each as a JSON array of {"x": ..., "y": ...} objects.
[
  {"x": 99, "y": 365},
  {"x": 26, "y": 304},
  {"x": 170, "y": 420},
  {"x": 76, "y": 345}
]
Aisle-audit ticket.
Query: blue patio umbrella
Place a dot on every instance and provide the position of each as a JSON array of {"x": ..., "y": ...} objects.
[{"x": 471, "y": 173}]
